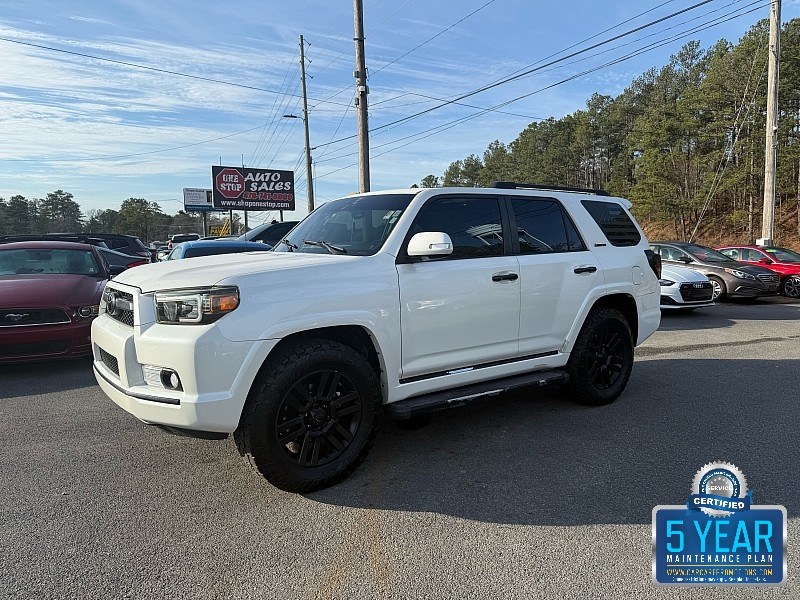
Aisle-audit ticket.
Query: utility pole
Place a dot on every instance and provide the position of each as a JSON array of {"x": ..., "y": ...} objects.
[
  {"x": 361, "y": 96},
  {"x": 305, "y": 125},
  {"x": 771, "y": 147}
]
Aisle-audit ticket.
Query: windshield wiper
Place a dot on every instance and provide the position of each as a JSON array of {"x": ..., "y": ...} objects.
[
  {"x": 292, "y": 247},
  {"x": 329, "y": 247}
]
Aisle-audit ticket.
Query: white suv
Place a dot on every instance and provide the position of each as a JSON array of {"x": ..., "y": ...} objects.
[{"x": 412, "y": 300}]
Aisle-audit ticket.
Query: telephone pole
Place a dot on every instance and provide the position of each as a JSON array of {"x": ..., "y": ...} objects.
[
  {"x": 305, "y": 125},
  {"x": 771, "y": 147},
  {"x": 361, "y": 96}
]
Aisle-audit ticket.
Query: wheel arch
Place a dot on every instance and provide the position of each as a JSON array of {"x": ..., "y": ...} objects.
[
  {"x": 355, "y": 336},
  {"x": 625, "y": 304}
]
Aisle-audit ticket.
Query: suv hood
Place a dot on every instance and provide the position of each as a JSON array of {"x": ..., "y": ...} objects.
[{"x": 210, "y": 270}]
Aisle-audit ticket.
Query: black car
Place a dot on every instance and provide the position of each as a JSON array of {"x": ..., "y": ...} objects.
[{"x": 268, "y": 233}]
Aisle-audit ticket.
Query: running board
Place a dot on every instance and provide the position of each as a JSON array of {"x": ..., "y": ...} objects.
[{"x": 420, "y": 405}]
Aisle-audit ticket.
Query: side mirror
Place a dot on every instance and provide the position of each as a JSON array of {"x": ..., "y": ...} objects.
[
  {"x": 685, "y": 259},
  {"x": 430, "y": 243},
  {"x": 765, "y": 261}
]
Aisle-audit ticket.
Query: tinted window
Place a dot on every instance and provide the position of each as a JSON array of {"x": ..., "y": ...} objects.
[
  {"x": 543, "y": 227},
  {"x": 614, "y": 221},
  {"x": 473, "y": 224}
]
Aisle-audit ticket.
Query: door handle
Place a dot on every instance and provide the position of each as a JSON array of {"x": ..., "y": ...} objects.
[
  {"x": 588, "y": 269},
  {"x": 505, "y": 277}
]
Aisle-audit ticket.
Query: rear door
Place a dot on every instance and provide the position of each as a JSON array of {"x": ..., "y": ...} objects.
[
  {"x": 557, "y": 272},
  {"x": 462, "y": 310}
]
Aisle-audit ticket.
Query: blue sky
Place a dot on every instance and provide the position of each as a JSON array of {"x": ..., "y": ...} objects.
[{"x": 106, "y": 131}]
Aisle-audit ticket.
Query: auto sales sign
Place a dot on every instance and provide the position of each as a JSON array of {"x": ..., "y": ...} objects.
[{"x": 240, "y": 188}]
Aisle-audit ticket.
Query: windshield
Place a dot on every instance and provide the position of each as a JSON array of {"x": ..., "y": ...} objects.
[
  {"x": 705, "y": 254},
  {"x": 783, "y": 254},
  {"x": 47, "y": 261},
  {"x": 356, "y": 225}
]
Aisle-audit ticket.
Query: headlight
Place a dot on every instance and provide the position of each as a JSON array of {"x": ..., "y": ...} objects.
[
  {"x": 740, "y": 274},
  {"x": 666, "y": 282},
  {"x": 87, "y": 311},
  {"x": 195, "y": 307}
]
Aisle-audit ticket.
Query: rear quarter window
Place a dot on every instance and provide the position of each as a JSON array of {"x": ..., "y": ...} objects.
[{"x": 614, "y": 221}]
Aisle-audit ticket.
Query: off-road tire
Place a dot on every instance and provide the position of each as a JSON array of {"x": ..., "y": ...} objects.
[
  {"x": 601, "y": 360},
  {"x": 294, "y": 402}
]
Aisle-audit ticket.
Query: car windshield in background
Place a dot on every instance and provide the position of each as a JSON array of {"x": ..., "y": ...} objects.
[
  {"x": 783, "y": 255},
  {"x": 705, "y": 254},
  {"x": 30, "y": 261},
  {"x": 356, "y": 225}
]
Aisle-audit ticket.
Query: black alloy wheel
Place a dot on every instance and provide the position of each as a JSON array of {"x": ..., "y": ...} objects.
[
  {"x": 318, "y": 418},
  {"x": 311, "y": 416},
  {"x": 601, "y": 360}
]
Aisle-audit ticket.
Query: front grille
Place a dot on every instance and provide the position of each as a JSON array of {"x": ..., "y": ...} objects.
[
  {"x": 771, "y": 279},
  {"x": 38, "y": 349},
  {"x": 119, "y": 305},
  {"x": 21, "y": 317},
  {"x": 696, "y": 291},
  {"x": 109, "y": 361}
]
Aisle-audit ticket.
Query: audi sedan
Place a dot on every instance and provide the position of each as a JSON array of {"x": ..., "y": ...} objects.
[
  {"x": 684, "y": 289},
  {"x": 49, "y": 295},
  {"x": 729, "y": 278}
]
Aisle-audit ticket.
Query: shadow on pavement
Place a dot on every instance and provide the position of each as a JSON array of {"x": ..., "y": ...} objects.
[{"x": 532, "y": 458}]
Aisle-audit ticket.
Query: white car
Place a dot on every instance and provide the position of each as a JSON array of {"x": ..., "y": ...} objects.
[{"x": 684, "y": 289}]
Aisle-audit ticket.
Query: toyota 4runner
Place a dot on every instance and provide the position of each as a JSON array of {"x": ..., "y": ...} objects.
[{"x": 409, "y": 301}]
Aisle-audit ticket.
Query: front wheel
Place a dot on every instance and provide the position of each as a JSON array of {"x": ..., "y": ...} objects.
[
  {"x": 718, "y": 289},
  {"x": 791, "y": 287},
  {"x": 311, "y": 416},
  {"x": 602, "y": 358}
]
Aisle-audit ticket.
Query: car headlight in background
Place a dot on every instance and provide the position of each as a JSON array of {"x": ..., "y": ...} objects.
[
  {"x": 195, "y": 307},
  {"x": 87, "y": 311},
  {"x": 740, "y": 274},
  {"x": 666, "y": 282}
]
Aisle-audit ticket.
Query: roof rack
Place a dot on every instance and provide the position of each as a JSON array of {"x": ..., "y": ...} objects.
[{"x": 510, "y": 185}]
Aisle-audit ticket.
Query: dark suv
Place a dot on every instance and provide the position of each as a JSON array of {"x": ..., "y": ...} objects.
[
  {"x": 268, "y": 233},
  {"x": 127, "y": 244}
]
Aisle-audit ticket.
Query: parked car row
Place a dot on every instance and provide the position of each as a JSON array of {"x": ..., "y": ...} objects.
[{"x": 695, "y": 275}]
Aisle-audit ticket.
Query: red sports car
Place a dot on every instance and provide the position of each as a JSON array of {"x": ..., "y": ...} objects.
[
  {"x": 781, "y": 260},
  {"x": 49, "y": 294}
]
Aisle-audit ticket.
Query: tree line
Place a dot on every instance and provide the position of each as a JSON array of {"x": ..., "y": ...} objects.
[
  {"x": 685, "y": 143},
  {"x": 58, "y": 212}
]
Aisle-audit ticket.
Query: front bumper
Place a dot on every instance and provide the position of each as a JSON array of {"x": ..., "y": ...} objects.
[
  {"x": 215, "y": 373},
  {"x": 42, "y": 342}
]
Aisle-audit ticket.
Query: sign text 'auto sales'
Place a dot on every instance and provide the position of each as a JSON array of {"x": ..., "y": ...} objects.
[{"x": 240, "y": 188}]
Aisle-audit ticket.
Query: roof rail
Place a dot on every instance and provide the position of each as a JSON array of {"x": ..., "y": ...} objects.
[{"x": 510, "y": 185}]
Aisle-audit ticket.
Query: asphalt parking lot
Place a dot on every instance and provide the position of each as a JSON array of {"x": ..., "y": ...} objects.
[{"x": 528, "y": 496}]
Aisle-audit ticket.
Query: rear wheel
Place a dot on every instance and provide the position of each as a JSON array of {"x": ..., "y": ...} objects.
[
  {"x": 602, "y": 358},
  {"x": 311, "y": 416},
  {"x": 791, "y": 286},
  {"x": 719, "y": 291}
]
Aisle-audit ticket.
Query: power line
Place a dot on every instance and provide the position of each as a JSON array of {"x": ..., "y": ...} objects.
[
  {"x": 529, "y": 71},
  {"x": 155, "y": 69},
  {"x": 656, "y": 44}
]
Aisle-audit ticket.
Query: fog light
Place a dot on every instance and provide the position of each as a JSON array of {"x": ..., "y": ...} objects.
[{"x": 170, "y": 379}]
